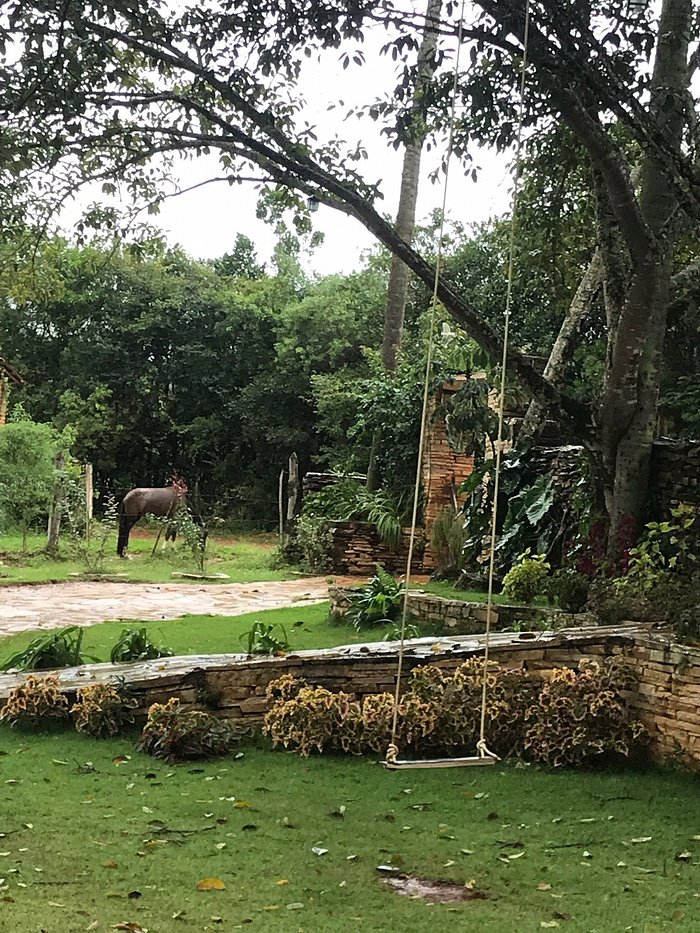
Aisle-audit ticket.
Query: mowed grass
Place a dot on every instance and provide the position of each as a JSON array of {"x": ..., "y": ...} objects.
[
  {"x": 307, "y": 627},
  {"x": 244, "y": 558},
  {"x": 94, "y": 838}
]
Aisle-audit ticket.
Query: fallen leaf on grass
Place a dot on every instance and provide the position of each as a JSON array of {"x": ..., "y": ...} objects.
[
  {"x": 641, "y": 839},
  {"x": 282, "y": 881},
  {"x": 549, "y": 923},
  {"x": 131, "y": 927},
  {"x": 211, "y": 884},
  {"x": 120, "y": 760},
  {"x": 544, "y": 886},
  {"x": 318, "y": 850},
  {"x": 684, "y": 856},
  {"x": 295, "y": 906}
]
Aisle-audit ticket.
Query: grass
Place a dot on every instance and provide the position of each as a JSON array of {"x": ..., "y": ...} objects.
[
  {"x": 96, "y": 835},
  {"x": 448, "y": 590},
  {"x": 246, "y": 559},
  {"x": 306, "y": 627}
]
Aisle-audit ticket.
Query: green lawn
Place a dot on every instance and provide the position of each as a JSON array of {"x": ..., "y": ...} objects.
[
  {"x": 245, "y": 558},
  {"x": 306, "y": 627},
  {"x": 96, "y": 835},
  {"x": 450, "y": 591}
]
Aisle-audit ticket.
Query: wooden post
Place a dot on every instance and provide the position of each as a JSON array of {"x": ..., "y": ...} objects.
[
  {"x": 59, "y": 494},
  {"x": 280, "y": 500},
  {"x": 293, "y": 494},
  {"x": 89, "y": 499}
]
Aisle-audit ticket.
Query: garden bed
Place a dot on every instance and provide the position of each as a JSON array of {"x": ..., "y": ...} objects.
[
  {"x": 461, "y": 617},
  {"x": 666, "y": 700}
]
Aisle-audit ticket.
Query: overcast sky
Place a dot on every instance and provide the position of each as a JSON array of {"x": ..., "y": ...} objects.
[{"x": 206, "y": 221}]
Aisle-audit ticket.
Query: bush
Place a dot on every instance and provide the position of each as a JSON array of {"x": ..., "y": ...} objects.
[
  {"x": 379, "y": 602},
  {"x": 447, "y": 540},
  {"x": 102, "y": 710},
  {"x": 525, "y": 581},
  {"x": 581, "y": 714},
  {"x": 312, "y": 539},
  {"x": 34, "y": 701},
  {"x": 574, "y": 717},
  {"x": 260, "y": 639},
  {"x": 313, "y": 719},
  {"x": 134, "y": 644},
  {"x": 48, "y": 652},
  {"x": 178, "y": 734},
  {"x": 570, "y": 589}
]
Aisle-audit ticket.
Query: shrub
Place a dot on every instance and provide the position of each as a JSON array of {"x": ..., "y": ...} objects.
[
  {"x": 574, "y": 717},
  {"x": 377, "y": 603},
  {"x": 314, "y": 719},
  {"x": 447, "y": 540},
  {"x": 581, "y": 714},
  {"x": 178, "y": 734},
  {"x": 102, "y": 710},
  {"x": 260, "y": 639},
  {"x": 34, "y": 701},
  {"x": 134, "y": 644},
  {"x": 48, "y": 652},
  {"x": 570, "y": 589},
  {"x": 525, "y": 581},
  {"x": 312, "y": 538}
]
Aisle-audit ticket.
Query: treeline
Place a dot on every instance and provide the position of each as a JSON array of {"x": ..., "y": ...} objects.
[{"x": 216, "y": 371}]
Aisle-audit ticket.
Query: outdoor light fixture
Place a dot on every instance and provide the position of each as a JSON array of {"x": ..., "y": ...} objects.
[{"x": 313, "y": 204}]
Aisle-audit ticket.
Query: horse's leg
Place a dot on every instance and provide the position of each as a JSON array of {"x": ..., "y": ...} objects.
[{"x": 126, "y": 523}]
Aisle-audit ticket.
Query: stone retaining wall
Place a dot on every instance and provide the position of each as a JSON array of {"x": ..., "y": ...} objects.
[
  {"x": 458, "y": 617},
  {"x": 666, "y": 700}
]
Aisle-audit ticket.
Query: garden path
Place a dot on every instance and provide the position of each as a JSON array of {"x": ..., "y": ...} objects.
[{"x": 54, "y": 605}]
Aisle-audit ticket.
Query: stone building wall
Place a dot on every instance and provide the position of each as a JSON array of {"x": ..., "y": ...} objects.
[
  {"x": 356, "y": 549},
  {"x": 675, "y": 474}
]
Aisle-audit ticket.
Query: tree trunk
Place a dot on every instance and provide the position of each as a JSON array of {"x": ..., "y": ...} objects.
[
  {"x": 410, "y": 178},
  {"x": 59, "y": 494},
  {"x": 397, "y": 288},
  {"x": 628, "y": 413},
  {"x": 554, "y": 370}
]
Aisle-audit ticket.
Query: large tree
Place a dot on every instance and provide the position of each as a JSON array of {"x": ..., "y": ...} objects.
[{"x": 102, "y": 90}]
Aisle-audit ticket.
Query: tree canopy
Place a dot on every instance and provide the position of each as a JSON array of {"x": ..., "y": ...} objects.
[{"x": 107, "y": 92}]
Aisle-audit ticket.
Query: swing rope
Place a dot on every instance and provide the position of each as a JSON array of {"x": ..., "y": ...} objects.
[{"x": 485, "y": 755}]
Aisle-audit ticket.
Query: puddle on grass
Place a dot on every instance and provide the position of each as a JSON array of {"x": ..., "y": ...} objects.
[{"x": 435, "y": 892}]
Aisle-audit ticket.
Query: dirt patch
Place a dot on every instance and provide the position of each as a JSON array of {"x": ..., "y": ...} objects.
[{"x": 435, "y": 892}]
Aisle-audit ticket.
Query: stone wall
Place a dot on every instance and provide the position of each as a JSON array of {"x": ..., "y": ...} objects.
[
  {"x": 675, "y": 474},
  {"x": 356, "y": 549},
  {"x": 666, "y": 700},
  {"x": 458, "y": 617}
]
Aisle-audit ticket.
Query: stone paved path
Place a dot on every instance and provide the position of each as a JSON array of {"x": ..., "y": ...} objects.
[{"x": 79, "y": 603}]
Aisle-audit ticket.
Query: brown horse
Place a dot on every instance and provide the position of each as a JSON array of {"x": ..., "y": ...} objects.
[{"x": 162, "y": 501}]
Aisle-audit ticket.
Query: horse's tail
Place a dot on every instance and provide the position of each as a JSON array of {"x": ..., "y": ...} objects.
[{"x": 124, "y": 529}]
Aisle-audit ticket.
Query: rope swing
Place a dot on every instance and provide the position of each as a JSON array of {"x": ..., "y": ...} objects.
[{"x": 484, "y": 755}]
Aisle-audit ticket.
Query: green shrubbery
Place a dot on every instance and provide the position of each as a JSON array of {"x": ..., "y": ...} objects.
[
  {"x": 574, "y": 717},
  {"x": 527, "y": 579},
  {"x": 378, "y": 603}
]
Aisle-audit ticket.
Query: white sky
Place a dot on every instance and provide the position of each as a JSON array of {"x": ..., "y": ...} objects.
[{"x": 206, "y": 221}]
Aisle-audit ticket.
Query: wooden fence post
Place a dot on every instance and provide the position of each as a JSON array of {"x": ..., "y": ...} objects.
[
  {"x": 293, "y": 494},
  {"x": 89, "y": 499}
]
